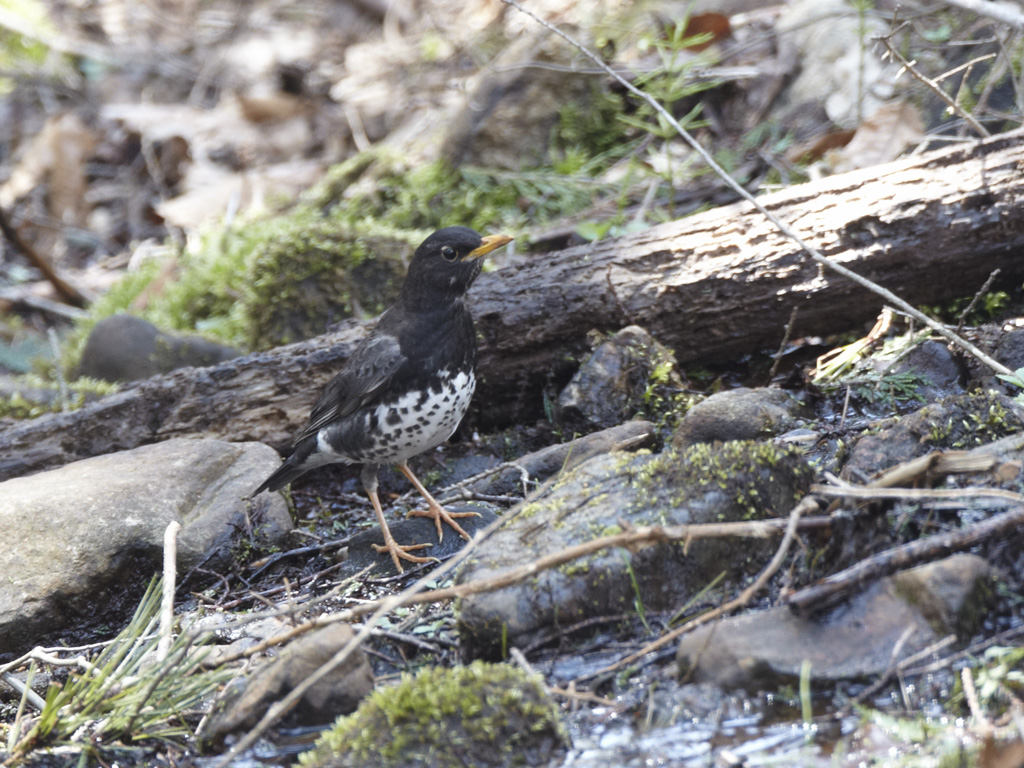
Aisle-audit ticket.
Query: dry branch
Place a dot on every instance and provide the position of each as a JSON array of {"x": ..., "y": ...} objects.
[
  {"x": 712, "y": 286},
  {"x": 830, "y": 590}
]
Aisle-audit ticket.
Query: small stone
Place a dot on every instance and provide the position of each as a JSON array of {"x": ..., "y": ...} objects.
[
  {"x": 611, "y": 385},
  {"x": 899, "y": 615},
  {"x": 739, "y": 414},
  {"x": 337, "y": 693},
  {"x": 957, "y": 422},
  {"x": 127, "y": 348}
]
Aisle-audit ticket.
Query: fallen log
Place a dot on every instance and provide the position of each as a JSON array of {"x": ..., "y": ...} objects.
[{"x": 713, "y": 286}]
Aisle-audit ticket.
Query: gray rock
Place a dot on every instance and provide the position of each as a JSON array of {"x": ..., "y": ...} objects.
[
  {"x": 959, "y": 422},
  {"x": 735, "y": 481},
  {"x": 610, "y": 386},
  {"x": 127, "y": 348},
  {"x": 739, "y": 414},
  {"x": 1010, "y": 351},
  {"x": 889, "y": 621},
  {"x": 937, "y": 367},
  {"x": 247, "y": 698},
  {"x": 83, "y": 539}
]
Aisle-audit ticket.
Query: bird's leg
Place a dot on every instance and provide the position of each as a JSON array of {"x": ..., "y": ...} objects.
[
  {"x": 391, "y": 546},
  {"x": 397, "y": 551},
  {"x": 435, "y": 510}
]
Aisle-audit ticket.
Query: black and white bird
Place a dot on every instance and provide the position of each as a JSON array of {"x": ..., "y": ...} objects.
[{"x": 408, "y": 384}]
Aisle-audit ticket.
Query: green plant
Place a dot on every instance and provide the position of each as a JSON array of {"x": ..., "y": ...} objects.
[
  {"x": 672, "y": 81},
  {"x": 999, "y": 679},
  {"x": 638, "y": 601},
  {"x": 126, "y": 692}
]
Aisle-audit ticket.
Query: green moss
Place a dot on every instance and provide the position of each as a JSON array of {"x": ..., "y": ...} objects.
[
  {"x": 482, "y": 714},
  {"x": 577, "y": 567},
  {"x": 22, "y": 406},
  {"x": 747, "y": 472},
  {"x": 975, "y": 419},
  {"x": 286, "y": 278}
]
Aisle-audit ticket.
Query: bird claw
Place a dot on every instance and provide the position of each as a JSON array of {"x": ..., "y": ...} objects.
[
  {"x": 397, "y": 551},
  {"x": 439, "y": 513}
]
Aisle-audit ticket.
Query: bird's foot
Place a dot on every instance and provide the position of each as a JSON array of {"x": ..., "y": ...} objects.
[
  {"x": 400, "y": 552},
  {"x": 439, "y": 513}
]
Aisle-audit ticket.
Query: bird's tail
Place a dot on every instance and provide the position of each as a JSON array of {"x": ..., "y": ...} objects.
[{"x": 295, "y": 465}]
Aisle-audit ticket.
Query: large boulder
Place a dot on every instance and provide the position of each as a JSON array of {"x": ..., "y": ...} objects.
[{"x": 82, "y": 541}]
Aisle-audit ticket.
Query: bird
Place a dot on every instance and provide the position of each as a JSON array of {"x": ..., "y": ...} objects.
[{"x": 406, "y": 386}]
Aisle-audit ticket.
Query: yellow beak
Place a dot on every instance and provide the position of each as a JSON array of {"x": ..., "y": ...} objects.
[{"x": 490, "y": 243}]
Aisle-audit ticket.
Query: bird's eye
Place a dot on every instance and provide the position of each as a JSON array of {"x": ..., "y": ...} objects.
[{"x": 448, "y": 253}]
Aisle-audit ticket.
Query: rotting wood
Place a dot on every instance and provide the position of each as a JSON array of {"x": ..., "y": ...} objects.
[{"x": 713, "y": 287}]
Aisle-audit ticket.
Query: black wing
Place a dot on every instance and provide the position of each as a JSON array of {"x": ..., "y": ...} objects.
[{"x": 365, "y": 374}]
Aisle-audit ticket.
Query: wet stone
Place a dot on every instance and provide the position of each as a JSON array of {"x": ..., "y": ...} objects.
[
  {"x": 247, "y": 698},
  {"x": 888, "y": 621},
  {"x": 957, "y": 422}
]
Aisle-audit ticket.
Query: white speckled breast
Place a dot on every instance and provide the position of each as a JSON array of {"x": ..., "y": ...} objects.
[{"x": 410, "y": 424}]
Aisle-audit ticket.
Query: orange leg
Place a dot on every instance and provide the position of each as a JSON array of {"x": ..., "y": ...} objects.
[
  {"x": 435, "y": 510},
  {"x": 392, "y": 547}
]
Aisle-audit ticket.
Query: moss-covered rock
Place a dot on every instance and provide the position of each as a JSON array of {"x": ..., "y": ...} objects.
[
  {"x": 957, "y": 422},
  {"x": 314, "y": 272},
  {"x": 480, "y": 715},
  {"x": 735, "y": 481},
  {"x": 629, "y": 374}
]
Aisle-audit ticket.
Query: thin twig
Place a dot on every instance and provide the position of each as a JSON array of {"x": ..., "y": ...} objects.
[
  {"x": 831, "y": 589},
  {"x": 782, "y": 345},
  {"x": 67, "y": 291},
  {"x": 566, "y": 693},
  {"x": 403, "y": 637},
  {"x": 170, "y": 578},
  {"x": 972, "y": 651},
  {"x": 808, "y": 504},
  {"x": 25, "y": 691},
  {"x": 918, "y": 494},
  {"x": 784, "y": 228},
  {"x": 974, "y": 301},
  {"x": 931, "y": 84},
  {"x": 901, "y": 667},
  {"x": 971, "y": 695}
]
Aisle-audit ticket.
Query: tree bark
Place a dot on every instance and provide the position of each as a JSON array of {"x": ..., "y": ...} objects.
[{"x": 713, "y": 286}]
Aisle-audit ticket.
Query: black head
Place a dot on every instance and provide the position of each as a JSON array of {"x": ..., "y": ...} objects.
[{"x": 447, "y": 263}]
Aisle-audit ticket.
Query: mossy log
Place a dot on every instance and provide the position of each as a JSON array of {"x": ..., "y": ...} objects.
[{"x": 713, "y": 287}]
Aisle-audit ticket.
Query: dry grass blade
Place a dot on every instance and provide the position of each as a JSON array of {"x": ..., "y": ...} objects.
[{"x": 125, "y": 693}]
